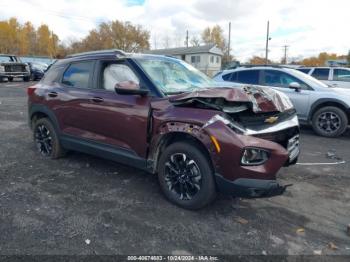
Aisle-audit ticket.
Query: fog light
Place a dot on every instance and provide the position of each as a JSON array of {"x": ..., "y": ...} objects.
[{"x": 254, "y": 156}]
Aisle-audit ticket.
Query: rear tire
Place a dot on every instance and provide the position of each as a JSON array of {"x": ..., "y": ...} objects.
[
  {"x": 329, "y": 121},
  {"x": 46, "y": 139},
  {"x": 186, "y": 176}
]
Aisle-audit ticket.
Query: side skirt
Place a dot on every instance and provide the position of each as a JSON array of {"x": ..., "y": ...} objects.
[{"x": 120, "y": 155}]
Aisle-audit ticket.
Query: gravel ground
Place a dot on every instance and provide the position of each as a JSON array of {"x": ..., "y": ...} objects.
[{"x": 86, "y": 205}]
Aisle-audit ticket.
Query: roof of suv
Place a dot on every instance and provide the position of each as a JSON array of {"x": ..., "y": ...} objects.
[
  {"x": 108, "y": 53},
  {"x": 255, "y": 67}
]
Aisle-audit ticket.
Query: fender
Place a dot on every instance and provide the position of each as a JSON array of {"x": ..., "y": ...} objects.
[
  {"x": 36, "y": 108},
  {"x": 172, "y": 129}
]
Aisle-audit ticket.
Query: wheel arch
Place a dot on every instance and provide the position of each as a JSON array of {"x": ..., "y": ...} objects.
[
  {"x": 329, "y": 102},
  {"x": 40, "y": 111},
  {"x": 178, "y": 132}
]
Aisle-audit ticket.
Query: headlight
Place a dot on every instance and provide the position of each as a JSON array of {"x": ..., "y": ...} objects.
[
  {"x": 27, "y": 68},
  {"x": 254, "y": 156},
  {"x": 2, "y": 69},
  {"x": 235, "y": 126}
]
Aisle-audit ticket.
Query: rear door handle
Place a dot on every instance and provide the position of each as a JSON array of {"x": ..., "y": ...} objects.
[
  {"x": 97, "y": 99},
  {"x": 52, "y": 94}
]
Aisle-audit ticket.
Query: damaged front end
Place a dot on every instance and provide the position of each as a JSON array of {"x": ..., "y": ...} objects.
[
  {"x": 255, "y": 132},
  {"x": 250, "y": 110}
]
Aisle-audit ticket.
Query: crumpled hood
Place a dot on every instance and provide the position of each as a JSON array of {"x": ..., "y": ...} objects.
[{"x": 236, "y": 99}]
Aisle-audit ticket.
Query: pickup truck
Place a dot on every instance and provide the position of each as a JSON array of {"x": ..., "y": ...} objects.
[{"x": 11, "y": 66}]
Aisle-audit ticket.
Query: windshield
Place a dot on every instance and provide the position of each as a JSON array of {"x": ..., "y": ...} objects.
[
  {"x": 173, "y": 76},
  {"x": 5, "y": 59},
  {"x": 307, "y": 78}
]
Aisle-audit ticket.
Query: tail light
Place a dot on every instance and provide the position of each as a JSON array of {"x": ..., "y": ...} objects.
[{"x": 30, "y": 90}]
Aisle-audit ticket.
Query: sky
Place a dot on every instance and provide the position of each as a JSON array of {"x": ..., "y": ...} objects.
[{"x": 307, "y": 27}]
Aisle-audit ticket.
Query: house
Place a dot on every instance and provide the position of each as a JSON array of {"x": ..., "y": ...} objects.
[{"x": 206, "y": 58}]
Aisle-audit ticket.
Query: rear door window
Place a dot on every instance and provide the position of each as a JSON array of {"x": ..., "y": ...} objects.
[
  {"x": 321, "y": 73},
  {"x": 248, "y": 77},
  {"x": 79, "y": 74},
  {"x": 341, "y": 75}
]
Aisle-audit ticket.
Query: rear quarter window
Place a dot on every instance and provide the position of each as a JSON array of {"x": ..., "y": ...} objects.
[
  {"x": 52, "y": 75},
  {"x": 304, "y": 70}
]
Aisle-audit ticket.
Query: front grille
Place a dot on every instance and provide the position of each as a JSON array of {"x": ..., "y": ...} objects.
[
  {"x": 281, "y": 137},
  {"x": 15, "y": 68}
]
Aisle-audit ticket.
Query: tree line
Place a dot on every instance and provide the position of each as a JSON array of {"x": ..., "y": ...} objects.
[
  {"x": 319, "y": 60},
  {"x": 25, "y": 39}
]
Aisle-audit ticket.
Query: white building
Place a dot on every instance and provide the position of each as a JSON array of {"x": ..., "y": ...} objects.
[{"x": 206, "y": 58}]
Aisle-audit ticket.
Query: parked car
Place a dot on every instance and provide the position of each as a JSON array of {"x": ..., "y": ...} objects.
[
  {"x": 326, "y": 109},
  {"x": 37, "y": 70},
  {"x": 11, "y": 66},
  {"x": 162, "y": 115},
  {"x": 332, "y": 76}
]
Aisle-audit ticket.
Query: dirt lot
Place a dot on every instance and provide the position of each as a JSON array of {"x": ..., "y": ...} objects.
[{"x": 57, "y": 207}]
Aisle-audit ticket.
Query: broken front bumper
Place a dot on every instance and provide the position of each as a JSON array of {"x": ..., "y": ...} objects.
[{"x": 249, "y": 188}]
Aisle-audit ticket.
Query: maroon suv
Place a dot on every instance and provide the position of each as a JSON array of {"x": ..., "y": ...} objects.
[{"x": 161, "y": 115}]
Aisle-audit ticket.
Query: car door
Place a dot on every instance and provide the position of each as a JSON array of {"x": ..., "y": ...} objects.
[
  {"x": 280, "y": 81},
  {"x": 74, "y": 96},
  {"x": 121, "y": 120},
  {"x": 341, "y": 77}
]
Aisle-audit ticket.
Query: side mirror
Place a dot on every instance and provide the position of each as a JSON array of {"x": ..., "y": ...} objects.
[
  {"x": 296, "y": 86},
  {"x": 129, "y": 88}
]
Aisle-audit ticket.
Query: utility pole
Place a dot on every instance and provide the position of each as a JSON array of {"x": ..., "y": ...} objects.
[
  {"x": 229, "y": 40},
  {"x": 285, "y": 47},
  {"x": 187, "y": 38},
  {"x": 267, "y": 42}
]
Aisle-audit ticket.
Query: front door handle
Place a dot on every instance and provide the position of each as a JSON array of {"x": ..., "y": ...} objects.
[
  {"x": 97, "y": 99},
  {"x": 52, "y": 94}
]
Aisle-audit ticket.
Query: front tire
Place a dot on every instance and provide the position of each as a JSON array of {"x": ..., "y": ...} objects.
[
  {"x": 26, "y": 78},
  {"x": 186, "y": 176},
  {"x": 10, "y": 79},
  {"x": 329, "y": 121},
  {"x": 46, "y": 139}
]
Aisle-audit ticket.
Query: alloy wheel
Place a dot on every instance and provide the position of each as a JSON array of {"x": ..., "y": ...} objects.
[
  {"x": 43, "y": 140},
  {"x": 329, "y": 122},
  {"x": 182, "y": 176}
]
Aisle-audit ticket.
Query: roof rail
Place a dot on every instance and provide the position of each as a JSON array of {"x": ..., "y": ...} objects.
[
  {"x": 116, "y": 52},
  {"x": 269, "y": 65}
]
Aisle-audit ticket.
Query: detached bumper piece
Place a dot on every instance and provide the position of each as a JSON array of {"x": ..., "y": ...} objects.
[{"x": 249, "y": 188}]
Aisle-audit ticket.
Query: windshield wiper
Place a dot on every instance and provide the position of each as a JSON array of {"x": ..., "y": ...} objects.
[{"x": 174, "y": 92}]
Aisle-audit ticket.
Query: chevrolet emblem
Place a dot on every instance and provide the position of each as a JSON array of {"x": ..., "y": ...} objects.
[{"x": 271, "y": 119}]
